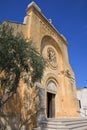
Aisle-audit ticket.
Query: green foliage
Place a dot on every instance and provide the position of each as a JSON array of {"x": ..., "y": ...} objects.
[{"x": 18, "y": 55}]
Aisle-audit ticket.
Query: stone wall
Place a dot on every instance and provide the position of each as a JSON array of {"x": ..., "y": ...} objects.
[{"x": 22, "y": 111}]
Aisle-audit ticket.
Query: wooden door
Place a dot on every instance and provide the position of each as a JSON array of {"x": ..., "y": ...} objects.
[{"x": 50, "y": 105}]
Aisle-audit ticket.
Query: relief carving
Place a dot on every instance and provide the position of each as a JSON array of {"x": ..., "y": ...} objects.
[{"x": 51, "y": 54}]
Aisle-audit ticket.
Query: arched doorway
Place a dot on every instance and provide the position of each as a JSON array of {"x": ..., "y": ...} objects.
[{"x": 51, "y": 95}]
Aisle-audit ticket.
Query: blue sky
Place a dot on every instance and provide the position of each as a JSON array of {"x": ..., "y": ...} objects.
[{"x": 69, "y": 17}]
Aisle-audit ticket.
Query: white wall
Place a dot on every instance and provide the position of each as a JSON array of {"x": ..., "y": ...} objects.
[{"x": 82, "y": 96}]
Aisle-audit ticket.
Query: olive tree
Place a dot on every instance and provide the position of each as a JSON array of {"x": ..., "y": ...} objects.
[{"x": 17, "y": 56}]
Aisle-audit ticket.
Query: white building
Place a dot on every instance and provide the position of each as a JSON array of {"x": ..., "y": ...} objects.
[{"x": 82, "y": 99}]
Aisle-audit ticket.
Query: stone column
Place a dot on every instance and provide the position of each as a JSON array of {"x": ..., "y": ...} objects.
[{"x": 40, "y": 104}]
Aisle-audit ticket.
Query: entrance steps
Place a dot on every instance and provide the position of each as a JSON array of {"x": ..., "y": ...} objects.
[{"x": 64, "y": 124}]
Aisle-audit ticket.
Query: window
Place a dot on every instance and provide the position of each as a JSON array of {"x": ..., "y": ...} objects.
[{"x": 79, "y": 103}]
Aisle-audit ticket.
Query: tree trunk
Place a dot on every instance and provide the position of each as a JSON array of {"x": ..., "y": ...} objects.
[{"x": 9, "y": 94}]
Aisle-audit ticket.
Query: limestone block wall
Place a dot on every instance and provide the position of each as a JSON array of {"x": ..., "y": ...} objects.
[{"x": 45, "y": 36}]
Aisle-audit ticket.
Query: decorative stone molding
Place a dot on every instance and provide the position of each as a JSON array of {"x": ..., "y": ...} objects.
[
  {"x": 51, "y": 54},
  {"x": 67, "y": 73},
  {"x": 51, "y": 86}
]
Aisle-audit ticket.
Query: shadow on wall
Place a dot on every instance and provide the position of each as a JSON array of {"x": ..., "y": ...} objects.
[
  {"x": 19, "y": 113},
  {"x": 9, "y": 122},
  {"x": 12, "y": 122}
]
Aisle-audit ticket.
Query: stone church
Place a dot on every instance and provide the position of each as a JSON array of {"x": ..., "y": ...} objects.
[{"x": 58, "y": 82}]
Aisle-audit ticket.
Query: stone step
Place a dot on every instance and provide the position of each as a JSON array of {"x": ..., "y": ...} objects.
[
  {"x": 51, "y": 123},
  {"x": 66, "y": 127},
  {"x": 55, "y": 128},
  {"x": 75, "y": 126},
  {"x": 64, "y": 124},
  {"x": 66, "y": 119},
  {"x": 80, "y": 128}
]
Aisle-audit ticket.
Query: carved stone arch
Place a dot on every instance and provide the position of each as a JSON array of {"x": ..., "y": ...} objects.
[
  {"x": 52, "y": 52},
  {"x": 48, "y": 40},
  {"x": 51, "y": 86},
  {"x": 52, "y": 77}
]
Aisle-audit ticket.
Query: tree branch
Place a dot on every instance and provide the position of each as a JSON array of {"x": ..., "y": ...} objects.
[{"x": 9, "y": 94}]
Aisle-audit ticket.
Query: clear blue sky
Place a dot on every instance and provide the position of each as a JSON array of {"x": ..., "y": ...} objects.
[{"x": 70, "y": 19}]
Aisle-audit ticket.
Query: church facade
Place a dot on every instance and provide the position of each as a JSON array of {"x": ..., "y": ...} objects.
[{"x": 58, "y": 82}]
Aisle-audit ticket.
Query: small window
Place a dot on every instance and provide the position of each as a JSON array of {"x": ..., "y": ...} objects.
[{"x": 79, "y": 103}]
